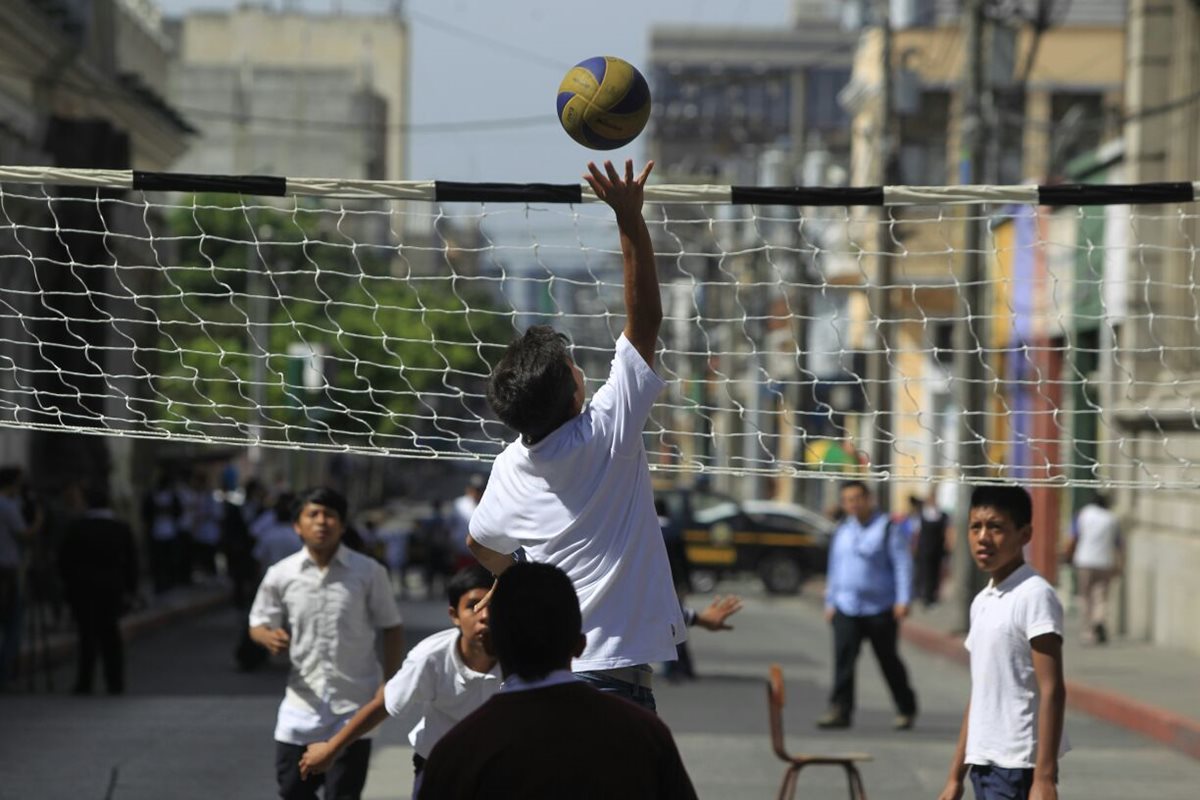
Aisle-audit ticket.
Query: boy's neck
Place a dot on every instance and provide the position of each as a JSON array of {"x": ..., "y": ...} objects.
[
  {"x": 1001, "y": 573},
  {"x": 474, "y": 656}
]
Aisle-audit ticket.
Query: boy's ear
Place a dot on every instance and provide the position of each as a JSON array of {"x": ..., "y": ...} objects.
[
  {"x": 453, "y": 614},
  {"x": 1027, "y": 533}
]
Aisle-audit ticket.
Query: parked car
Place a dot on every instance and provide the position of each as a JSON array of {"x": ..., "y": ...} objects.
[{"x": 783, "y": 543}]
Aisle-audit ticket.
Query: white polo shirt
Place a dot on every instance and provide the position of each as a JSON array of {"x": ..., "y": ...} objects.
[
  {"x": 332, "y": 616},
  {"x": 1002, "y": 726},
  {"x": 581, "y": 499},
  {"x": 435, "y": 689}
]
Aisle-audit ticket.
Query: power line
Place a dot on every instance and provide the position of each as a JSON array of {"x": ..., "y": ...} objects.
[
  {"x": 463, "y": 33},
  {"x": 495, "y": 123}
]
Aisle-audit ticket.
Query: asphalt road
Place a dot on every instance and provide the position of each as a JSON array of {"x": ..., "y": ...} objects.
[{"x": 193, "y": 727}]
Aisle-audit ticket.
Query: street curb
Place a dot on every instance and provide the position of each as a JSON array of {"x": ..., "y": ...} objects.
[
  {"x": 61, "y": 647},
  {"x": 1174, "y": 730}
]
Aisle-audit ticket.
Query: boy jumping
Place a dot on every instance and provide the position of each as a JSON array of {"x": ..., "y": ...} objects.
[
  {"x": 574, "y": 489},
  {"x": 1012, "y": 731}
]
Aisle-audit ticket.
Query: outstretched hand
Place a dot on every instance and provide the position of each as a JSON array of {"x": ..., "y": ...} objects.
[
  {"x": 720, "y": 609},
  {"x": 624, "y": 195}
]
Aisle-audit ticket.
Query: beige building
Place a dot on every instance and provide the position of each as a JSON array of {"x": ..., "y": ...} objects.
[
  {"x": 1158, "y": 347},
  {"x": 1053, "y": 100},
  {"x": 323, "y": 95}
]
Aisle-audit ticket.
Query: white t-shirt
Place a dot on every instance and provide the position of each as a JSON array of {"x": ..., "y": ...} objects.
[
  {"x": 581, "y": 499},
  {"x": 333, "y": 616},
  {"x": 1096, "y": 532},
  {"x": 1002, "y": 728},
  {"x": 434, "y": 690}
]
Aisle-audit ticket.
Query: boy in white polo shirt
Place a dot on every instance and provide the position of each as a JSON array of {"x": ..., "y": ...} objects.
[
  {"x": 1012, "y": 731},
  {"x": 444, "y": 678},
  {"x": 574, "y": 489}
]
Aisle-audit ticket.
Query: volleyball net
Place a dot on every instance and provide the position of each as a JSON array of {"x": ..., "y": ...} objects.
[{"x": 1041, "y": 334}]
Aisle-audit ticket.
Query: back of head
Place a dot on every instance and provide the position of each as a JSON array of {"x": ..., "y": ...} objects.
[
  {"x": 535, "y": 620},
  {"x": 1100, "y": 500},
  {"x": 1011, "y": 499},
  {"x": 471, "y": 577},
  {"x": 532, "y": 389},
  {"x": 321, "y": 496}
]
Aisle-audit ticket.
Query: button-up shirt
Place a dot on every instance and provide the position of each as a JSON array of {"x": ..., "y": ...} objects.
[
  {"x": 333, "y": 616},
  {"x": 869, "y": 570}
]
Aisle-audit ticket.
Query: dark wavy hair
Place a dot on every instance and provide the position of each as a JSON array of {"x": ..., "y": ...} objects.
[
  {"x": 470, "y": 577},
  {"x": 532, "y": 389},
  {"x": 1009, "y": 498},
  {"x": 321, "y": 496},
  {"x": 535, "y": 620}
]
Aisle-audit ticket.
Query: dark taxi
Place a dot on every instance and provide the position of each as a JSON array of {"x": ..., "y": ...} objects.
[{"x": 783, "y": 543}]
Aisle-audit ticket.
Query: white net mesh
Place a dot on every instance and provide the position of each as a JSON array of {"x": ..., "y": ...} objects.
[{"x": 372, "y": 326}]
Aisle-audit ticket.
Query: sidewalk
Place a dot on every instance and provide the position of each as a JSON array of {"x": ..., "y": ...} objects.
[
  {"x": 1152, "y": 690},
  {"x": 59, "y": 645}
]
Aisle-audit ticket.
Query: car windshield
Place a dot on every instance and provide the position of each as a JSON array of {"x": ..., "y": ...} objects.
[{"x": 716, "y": 512}]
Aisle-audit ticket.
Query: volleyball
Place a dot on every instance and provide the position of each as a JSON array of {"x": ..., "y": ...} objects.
[{"x": 603, "y": 103}]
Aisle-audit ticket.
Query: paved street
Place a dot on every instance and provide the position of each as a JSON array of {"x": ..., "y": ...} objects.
[{"x": 192, "y": 727}]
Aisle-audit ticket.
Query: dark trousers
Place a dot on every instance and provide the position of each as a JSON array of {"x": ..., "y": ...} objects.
[
  {"x": 344, "y": 780},
  {"x": 927, "y": 575},
  {"x": 1001, "y": 783},
  {"x": 882, "y": 630},
  {"x": 97, "y": 619}
]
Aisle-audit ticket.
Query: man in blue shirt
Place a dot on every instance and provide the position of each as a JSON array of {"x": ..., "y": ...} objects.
[{"x": 867, "y": 593}]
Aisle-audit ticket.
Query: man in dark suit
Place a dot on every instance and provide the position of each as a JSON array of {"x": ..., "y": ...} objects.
[{"x": 547, "y": 734}]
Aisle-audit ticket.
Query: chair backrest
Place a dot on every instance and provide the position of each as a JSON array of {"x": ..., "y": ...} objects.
[{"x": 775, "y": 702}]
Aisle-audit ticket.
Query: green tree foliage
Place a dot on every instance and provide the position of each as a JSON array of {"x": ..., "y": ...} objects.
[{"x": 253, "y": 284}]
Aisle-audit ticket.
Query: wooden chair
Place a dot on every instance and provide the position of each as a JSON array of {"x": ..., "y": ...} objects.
[{"x": 847, "y": 761}]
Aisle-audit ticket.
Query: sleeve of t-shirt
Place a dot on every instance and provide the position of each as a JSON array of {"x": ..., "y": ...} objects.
[
  {"x": 1043, "y": 613},
  {"x": 268, "y": 606},
  {"x": 406, "y": 694},
  {"x": 483, "y": 526},
  {"x": 381, "y": 602},
  {"x": 622, "y": 405}
]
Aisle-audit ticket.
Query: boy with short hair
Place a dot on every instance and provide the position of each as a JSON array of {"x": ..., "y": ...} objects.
[
  {"x": 444, "y": 678},
  {"x": 574, "y": 489},
  {"x": 324, "y": 606},
  {"x": 1012, "y": 731}
]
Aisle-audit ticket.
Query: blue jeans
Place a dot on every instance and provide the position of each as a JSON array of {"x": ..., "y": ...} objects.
[
  {"x": 642, "y": 695},
  {"x": 1000, "y": 783}
]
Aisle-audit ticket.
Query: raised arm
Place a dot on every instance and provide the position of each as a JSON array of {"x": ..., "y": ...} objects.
[{"x": 643, "y": 301}]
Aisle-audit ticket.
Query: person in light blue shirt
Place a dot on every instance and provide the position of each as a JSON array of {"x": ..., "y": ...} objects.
[{"x": 868, "y": 590}]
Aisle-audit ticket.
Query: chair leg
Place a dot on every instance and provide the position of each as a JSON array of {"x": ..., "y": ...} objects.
[
  {"x": 857, "y": 791},
  {"x": 787, "y": 790}
]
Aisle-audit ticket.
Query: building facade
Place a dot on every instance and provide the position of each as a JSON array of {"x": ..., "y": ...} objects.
[{"x": 289, "y": 93}]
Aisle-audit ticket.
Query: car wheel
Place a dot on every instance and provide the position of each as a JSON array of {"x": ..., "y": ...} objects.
[
  {"x": 703, "y": 581},
  {"x": 781, "y": 575}
]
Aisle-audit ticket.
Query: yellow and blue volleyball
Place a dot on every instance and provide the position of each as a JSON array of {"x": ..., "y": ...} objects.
[{"x": 603, "y": 103}]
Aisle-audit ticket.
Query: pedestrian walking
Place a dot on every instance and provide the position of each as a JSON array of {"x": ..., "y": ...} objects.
[
  {"x": 1096, "y": 553},
  {"x": 1012, "y": 732},
  {"x": 867, "y": 594},
  {"x": 161, "y": 511},
  {"x": 16, "y": 532},
  {"x": 459, "y": 522},
  {"x": 325, "y": 606},
  {"x": 98, "y": 563},
  {"x": 930, "y": 552}
]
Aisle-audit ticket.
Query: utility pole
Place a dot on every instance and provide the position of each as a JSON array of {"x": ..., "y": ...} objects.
[
  {"x": 879, "y": 292},
  {"x": 971, "y": 336}
]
